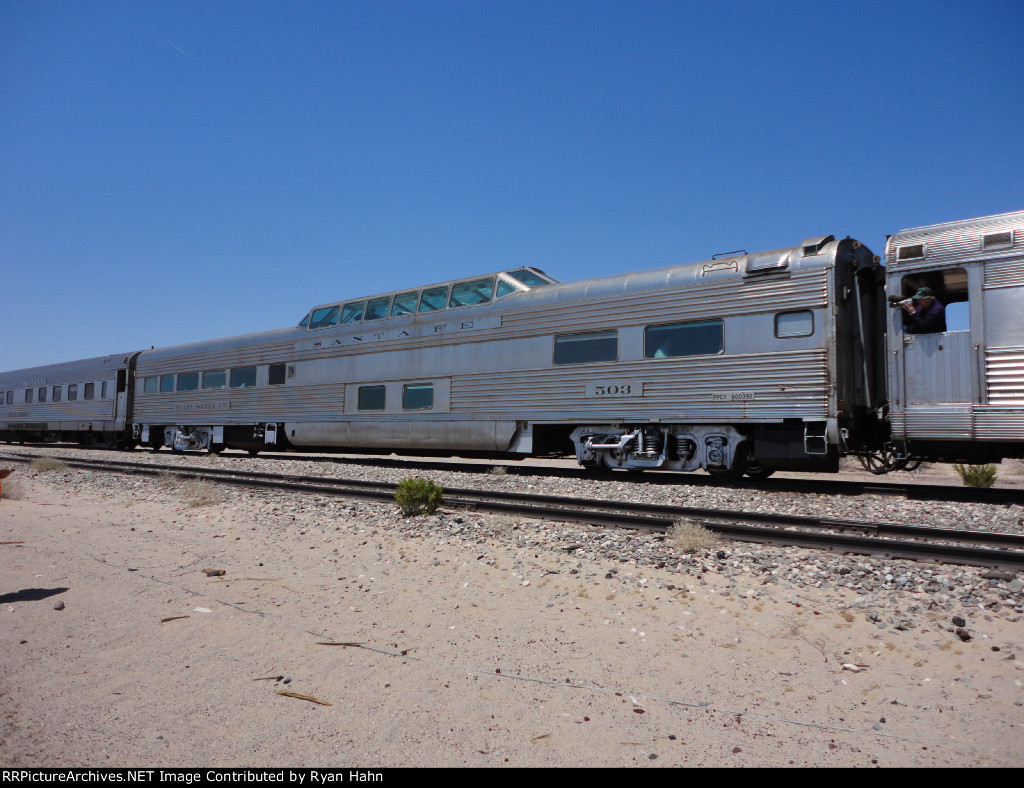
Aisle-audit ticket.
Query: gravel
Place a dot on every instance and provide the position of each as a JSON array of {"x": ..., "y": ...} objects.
[{"x": 892, "y": 593}]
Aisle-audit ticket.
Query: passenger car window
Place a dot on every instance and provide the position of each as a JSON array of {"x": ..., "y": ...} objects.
[
  {"x": 42, "y": 394},
  {"x": 28, "y": 396},
  {"x": 10, "y": 397},
  {"x": 90, "y": 391},
  {"x": 56, "y": 393},
  {"x": 503, "y": 289},
  {"x": 527, "y": 277},
  {"x": 149, "y": 385},
  {"x": 215, "y": 379},
  {"x": 703, "y": 338},
  {"x": 275, "y": 375},
  {"x": 188, "y": 381},
  {"x": 372, "y": 397},
  {"x": 433, "y": 300},
  {"x": 325, "y": 317},
  {"x": 243, "y": 377},
  {"x": 352, "y": 312},
  {"x": 167, "y": 384},
  {"x": 471, "y": 293},
  {"x": 418, "y": 396},
  {"x": 794, "y": 324},
  {"x": 405, "y": 304},
  {"x": 72, "y": 392},
  {"x": 587, "y": 348},
  {"x": 377, "y": 308}
]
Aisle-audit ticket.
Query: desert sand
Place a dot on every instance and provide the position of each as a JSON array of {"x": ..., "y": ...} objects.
[{"x": 463, "y": 651}]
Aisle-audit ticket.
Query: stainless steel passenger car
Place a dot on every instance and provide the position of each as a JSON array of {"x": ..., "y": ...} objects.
[
  {"x": 85, "y": 402},
  {"x": 746, "y": 363},
  {"x": 959, "y": 394}
]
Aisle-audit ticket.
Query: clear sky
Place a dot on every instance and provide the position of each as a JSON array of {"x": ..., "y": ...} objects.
[{"x": 176, "y": 171}]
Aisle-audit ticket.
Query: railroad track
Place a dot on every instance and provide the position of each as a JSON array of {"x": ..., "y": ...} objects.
[
  {"x": 920, "y": 543},
  {"x": 997, "y": 496}
]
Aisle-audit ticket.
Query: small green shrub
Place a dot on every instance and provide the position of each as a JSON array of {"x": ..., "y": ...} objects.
[
  {"x": 977, "y": 475},
  {"x": 416, "y": 496}
]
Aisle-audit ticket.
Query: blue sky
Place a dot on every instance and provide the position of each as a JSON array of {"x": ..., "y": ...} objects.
[{"x": 176, "y": 171}]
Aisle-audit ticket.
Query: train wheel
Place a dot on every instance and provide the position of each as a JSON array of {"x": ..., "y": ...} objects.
[
  {"x": 216, "y": 448},
  {"x": 755, "y": 471},
  {"x": 739, "y": 467}
]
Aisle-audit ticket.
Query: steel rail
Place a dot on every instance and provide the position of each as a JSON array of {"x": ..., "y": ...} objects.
[
  {"x": 909, "y": 490},
  {"x": 814, "y": 531}
]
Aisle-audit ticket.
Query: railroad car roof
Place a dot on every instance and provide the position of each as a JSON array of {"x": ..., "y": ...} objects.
[{"x": 23, "y": 378}]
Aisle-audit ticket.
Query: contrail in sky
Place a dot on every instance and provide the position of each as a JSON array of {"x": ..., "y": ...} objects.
[{"x": 165, "y": 38}]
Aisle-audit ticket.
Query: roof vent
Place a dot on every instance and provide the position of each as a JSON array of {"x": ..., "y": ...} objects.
[
  {"x": 997, "y": 240},
  {"x": 813, "y": 246},
  {"x": 764, "y": 262},
  {"x": 914, "y": 252}
]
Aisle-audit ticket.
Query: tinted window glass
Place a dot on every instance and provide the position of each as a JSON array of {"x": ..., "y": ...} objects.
[
  {"x": 418, "y": 396},
  {"x": 276, "y": 375},
  {"x": 371, "y": 397},
  {"x": 72, "y": 392},
  {"x": 405, "y": 304},
  {"x": 503, "y": 289},
  {"x": 90, "y": 390},
  {"x": 10, "y": 397},
  {"x": 215, "y": 379},
  {"x": 352, "y": 312},
  {"x": 527, "y": 277},
  {"x": 325, "y": 317},
  {"x": 167, "y": 384},
  {"x": 433, "y": 299},
  {"x": 587, "y": 348},
  {"x": 150, "y": 385},
  {"x": 42, "y": 394},
  {"x": 377, "y": 309},
  {"x": 188, "y": 381},
  {"x": 28, "y": 396},
  {"x": 794, "y": 324},
  {"x": 103, "y": 390},
  {"x": 56, "y": 393},
  {"x": 684, "y": 339},
  {"x": 243, "y": 377},
  {"x": 471, "y": 293}
]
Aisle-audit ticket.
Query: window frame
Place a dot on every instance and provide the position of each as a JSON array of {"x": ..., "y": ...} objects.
[
  {"x": 368, "y": 391},
  {"x": 409, "y": 388},
  {"x": 651, "y": 349},
  {"x": 596, "y": 336},
  {"x": 271, "y": 376},
  {"x": 240, "y": 377},
  {"x": 213, "y": 373},
  {"x": 775, "y": 323},
  {"x": 185, "y": 385}
]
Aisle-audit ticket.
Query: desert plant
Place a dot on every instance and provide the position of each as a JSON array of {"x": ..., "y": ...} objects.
[
  {"x": 200, "y": 492},
  {"x": 48, "y": 464},
  {"x": 690, "y": 536},
  {"x": 12, "y": 490},
  {"x": 416, "y": 496},
  {"x": 977, "y": 475}
]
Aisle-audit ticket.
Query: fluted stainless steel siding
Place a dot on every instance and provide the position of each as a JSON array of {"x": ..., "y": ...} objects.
[{"x": 956, "y": 241}]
